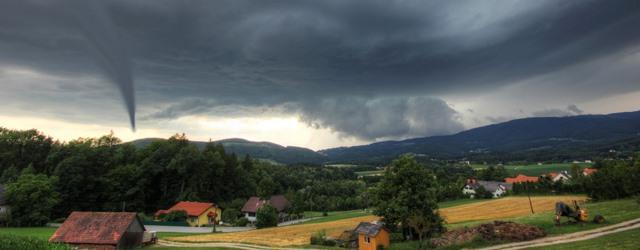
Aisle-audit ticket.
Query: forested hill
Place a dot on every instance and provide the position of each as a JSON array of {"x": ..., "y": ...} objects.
[
  {"x": 259, "y": 150},
  {"x": 529, "y": 137}
]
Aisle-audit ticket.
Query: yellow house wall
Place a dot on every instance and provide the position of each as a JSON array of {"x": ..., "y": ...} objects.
[{"x": 203, "y": 219}]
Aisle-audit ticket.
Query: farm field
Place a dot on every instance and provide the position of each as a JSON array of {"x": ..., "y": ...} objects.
[
  {"x": 370, "y": 173},
  {"x": 294, "y": 235},
  {"x": 535, "y": 169},
  {"x": 299, "y": 234},
  {"x": 503, "y": 208}
]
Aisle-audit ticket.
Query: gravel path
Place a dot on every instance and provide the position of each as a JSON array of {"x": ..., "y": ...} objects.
[{"x": 566, "y": 238}]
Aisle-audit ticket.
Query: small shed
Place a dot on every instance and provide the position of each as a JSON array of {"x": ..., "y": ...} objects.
[
  {"x": 101, "y": 230},
  {"x": 372, "y": 235}
]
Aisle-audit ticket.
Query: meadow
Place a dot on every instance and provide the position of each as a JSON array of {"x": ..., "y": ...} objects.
[{"x": 534, "y": 169}]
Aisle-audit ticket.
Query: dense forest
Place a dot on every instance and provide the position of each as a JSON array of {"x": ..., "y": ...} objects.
[{"x": 105, "y": 174}]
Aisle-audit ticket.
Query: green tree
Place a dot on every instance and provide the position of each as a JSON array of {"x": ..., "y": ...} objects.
[
  {"x": 266, "y": 188},
  {"x": 266, "y": 216},
  {"x": 406, "y": 189},
  {"x": 32, "y": 198},
  {"x": 230, "y": 215}
]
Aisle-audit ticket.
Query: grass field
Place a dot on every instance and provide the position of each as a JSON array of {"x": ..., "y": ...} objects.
[
  {"x": 370, "y": 173},
  {"x": 623, "y": 240},
  {"x": 333, "y": 216},
  {"x": 534, "y": 169}
]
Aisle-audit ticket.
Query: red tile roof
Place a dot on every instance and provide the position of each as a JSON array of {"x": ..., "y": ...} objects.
[
  {"x": 588, "y": 171},
  {"x": 279, "y": 202},
  {"x": 552, "y": 175},
  {"x": 100, "y": 228},
  {"x": 192, "y": 208},
  {"x": 521, "y": 178}
]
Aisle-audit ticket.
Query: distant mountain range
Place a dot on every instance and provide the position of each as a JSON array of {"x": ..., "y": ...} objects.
[
  {"x": 543, "y": 136},
  {"x": 521, "y": 136}
]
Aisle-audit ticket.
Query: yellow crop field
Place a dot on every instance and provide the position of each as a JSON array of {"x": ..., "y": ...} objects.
[
  {"x": 504, "y": 208},
  {"x": 281, "y": 236},
  {"x": 300, "y": 234}
]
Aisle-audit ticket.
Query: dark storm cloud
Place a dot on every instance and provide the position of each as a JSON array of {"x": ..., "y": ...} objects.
[
  {"x": 384, "y": 117},
  {"x": 325, "y": 58}
]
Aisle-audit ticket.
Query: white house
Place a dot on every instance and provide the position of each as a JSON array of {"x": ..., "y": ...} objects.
[
  {"x": 561, "y": 176},
  {"x": 250, "y": 208},
  {"x": 495, "y": 187}
]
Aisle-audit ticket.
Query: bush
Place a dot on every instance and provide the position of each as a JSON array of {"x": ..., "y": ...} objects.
[
  {"x": 11, "y": 242},
  {"x": 242, "y": 222},
  {"x": 267, "y": 216},
  {"x": 177, "y": 216},
  {"x": 320, "y": 239},
  {"x": 230, "y": 215}
]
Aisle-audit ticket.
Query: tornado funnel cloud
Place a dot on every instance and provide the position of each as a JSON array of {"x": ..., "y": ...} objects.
[{"x": 106, "y": 47}]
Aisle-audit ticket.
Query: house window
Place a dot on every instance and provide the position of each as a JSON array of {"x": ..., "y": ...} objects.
[{"x": 367, "y": 239}]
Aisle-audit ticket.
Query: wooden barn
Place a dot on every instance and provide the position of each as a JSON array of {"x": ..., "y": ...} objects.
[{"x": 101, "y": 231}]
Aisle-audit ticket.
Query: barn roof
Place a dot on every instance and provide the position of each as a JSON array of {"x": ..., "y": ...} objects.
[
  {"x": 100, "y": 228},
  {"x": 2, "y": 200},
  {"x": 369, "y": 229},
  {"x": 279, "y": 202},
  {"x": 192, "y": 208}
]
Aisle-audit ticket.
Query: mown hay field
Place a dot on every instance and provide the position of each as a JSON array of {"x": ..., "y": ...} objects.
[
  {"x": 507, "y": 207},
  {"x": 280, "y": 236},
  {"x": 299, "y": 234}
]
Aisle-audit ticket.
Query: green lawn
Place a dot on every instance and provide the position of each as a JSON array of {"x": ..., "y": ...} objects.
[
  {"x": 623, "y": 240},
  {"x": 370, "y": 173},
  {"x": 332, "y": 216},
  {"x": 38, "y": 232},
  {"x": 459, "y": 202},
  {"x": 535, "y": 169}
]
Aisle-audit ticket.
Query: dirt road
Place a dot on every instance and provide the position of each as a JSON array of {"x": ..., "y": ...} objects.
[
  {"x": 221, "y": 244},
  {"x": 566, "y": 238}
]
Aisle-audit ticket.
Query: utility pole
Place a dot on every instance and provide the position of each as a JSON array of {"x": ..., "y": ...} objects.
[{"x": 526, "y": 186}]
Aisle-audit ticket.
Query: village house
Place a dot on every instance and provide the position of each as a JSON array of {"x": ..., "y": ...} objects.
[
  {"x": 279, "y": 202},
  {"x": 101, "y": 231},
  {"x": 496, "y": 188},
  {"x": 589, "y": 171},
  {"x": 198, "y": 213},
  {"x": 521, "y": 179},
  {"x": 560, "y": 176},
  {"x": 372, "y": 235}
]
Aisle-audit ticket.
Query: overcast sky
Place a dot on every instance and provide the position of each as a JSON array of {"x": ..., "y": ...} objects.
[{"x": 316, "y": 74}]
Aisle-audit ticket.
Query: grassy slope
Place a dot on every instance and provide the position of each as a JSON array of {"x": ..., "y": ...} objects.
[
  {"x": 623, "y": 240},
  {"x": 614, "y": 211},
  {"x": 333, "y": 216},
  {"x": 534, "y": 169}
]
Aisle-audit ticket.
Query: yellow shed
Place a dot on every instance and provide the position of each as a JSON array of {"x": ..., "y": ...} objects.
[{"x": 372, "y": 235}]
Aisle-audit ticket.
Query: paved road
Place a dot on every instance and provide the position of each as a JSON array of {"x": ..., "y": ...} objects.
[
  {"x": 567, "y": 238},
  {"x": 176, "y": 229}
]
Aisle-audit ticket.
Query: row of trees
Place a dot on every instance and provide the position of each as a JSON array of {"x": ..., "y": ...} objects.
[{"x": 105, "y": 174}]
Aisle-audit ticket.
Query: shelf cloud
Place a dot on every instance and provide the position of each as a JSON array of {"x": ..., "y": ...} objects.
[{"x": 365, "y": 69}]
